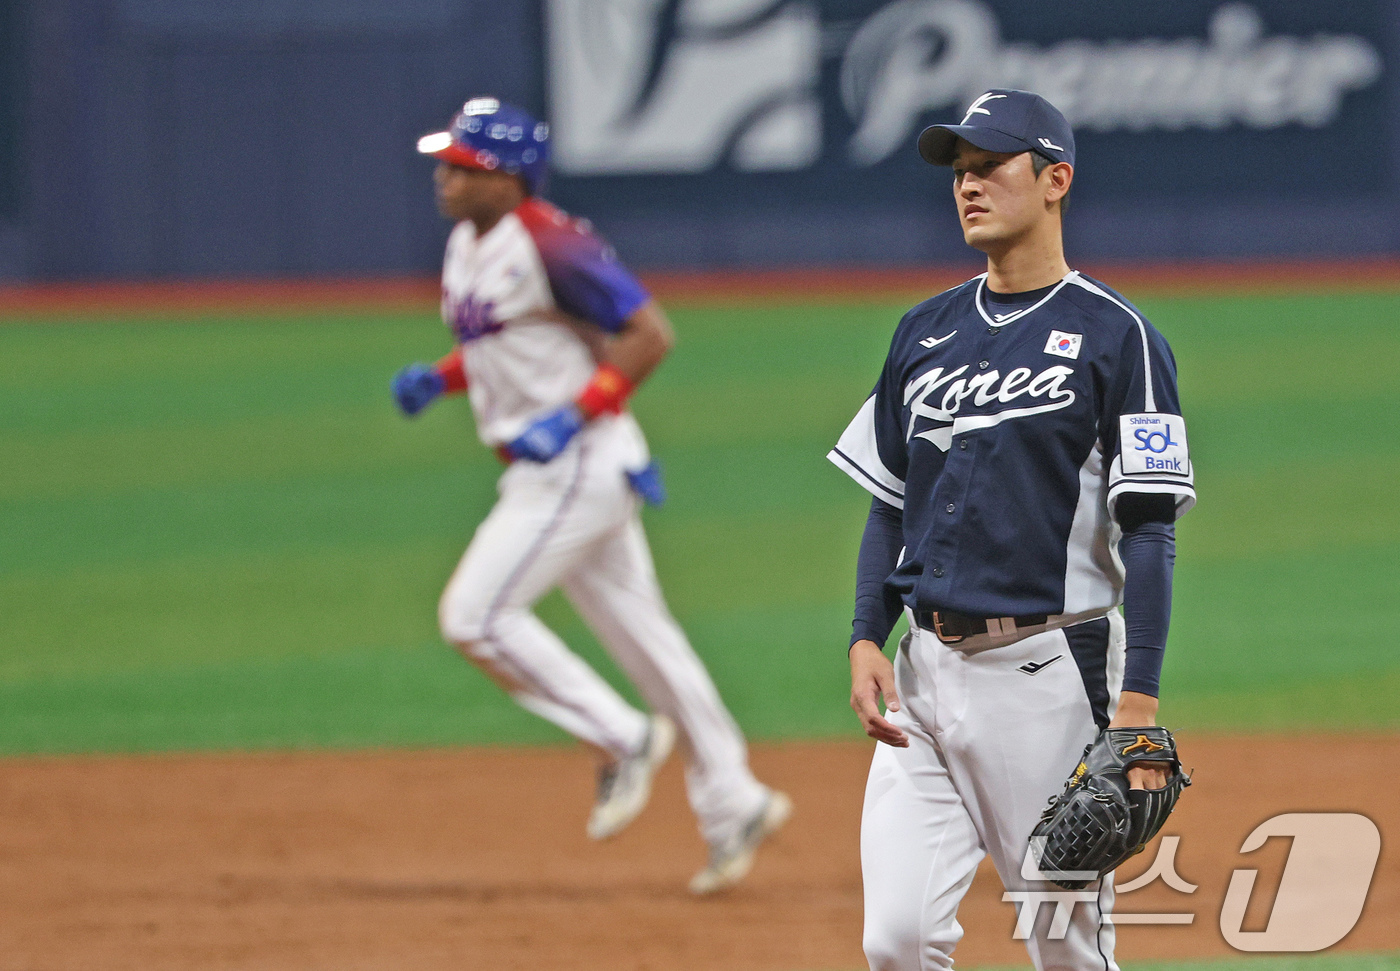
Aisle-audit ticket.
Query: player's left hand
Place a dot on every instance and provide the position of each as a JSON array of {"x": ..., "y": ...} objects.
[
  {"x": 546, "y": 437},
  {"x": 1098, "y": 820},
  {"x": 1137, "y": 710}
]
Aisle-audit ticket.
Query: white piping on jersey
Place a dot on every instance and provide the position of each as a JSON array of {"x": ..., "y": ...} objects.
[
  {"x": 1150, "y": 400},
  {"x": 872, "y": 484},
  {"x": 858, "y": 454},
  {"x": 1012, "y": 318},
  {"x": 857, "y": 451},
  {"x": 1092, "y": 576}
]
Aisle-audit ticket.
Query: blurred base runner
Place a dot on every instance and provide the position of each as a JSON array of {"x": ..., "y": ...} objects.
[{"x": 552, "y": 335}]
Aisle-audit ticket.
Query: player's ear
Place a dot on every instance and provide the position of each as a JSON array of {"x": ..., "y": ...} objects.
[{"x": 1058, "y": 179}]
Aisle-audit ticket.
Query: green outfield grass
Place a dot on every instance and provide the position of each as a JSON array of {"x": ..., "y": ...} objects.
[{"x": 218, "y": 533}]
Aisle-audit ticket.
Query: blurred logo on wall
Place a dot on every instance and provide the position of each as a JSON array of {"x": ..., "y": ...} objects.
[
  {"x": 686, "y": 86},
  {"x": 660, "y": 86}
]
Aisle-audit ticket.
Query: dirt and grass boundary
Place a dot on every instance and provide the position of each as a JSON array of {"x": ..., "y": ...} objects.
[{"x": 409, "y": 294}]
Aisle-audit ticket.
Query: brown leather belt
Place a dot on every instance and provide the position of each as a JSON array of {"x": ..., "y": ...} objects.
[{"x": 950, "y": 627}]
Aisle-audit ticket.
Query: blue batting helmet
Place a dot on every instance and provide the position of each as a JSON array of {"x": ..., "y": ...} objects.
[{"x": 489, "y": 135}]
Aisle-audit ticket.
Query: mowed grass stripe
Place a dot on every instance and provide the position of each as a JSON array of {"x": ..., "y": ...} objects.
[
  {"x": 195, "y": 516},
  {"x": 402, "y": 695},
  {"x": 223, "y": 604},
  {"x": 1294, "y": 508},
  {"x": 371, "y": 507}
]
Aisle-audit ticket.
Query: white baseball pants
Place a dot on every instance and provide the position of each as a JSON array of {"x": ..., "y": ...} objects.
[
  {"x": 989, "y": 742},
  {"x": 575, "y": 523}
]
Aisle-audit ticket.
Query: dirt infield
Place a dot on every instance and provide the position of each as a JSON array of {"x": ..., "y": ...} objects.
[
  {"x": 476, "y": 859},
  {"x": 176, "y": 298}
]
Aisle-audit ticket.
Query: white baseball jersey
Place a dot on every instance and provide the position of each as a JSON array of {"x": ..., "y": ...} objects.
[{"x": 502, "y": 296}]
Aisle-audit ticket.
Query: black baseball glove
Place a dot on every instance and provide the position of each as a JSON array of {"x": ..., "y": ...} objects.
[{"x": 1097, "y": 822}]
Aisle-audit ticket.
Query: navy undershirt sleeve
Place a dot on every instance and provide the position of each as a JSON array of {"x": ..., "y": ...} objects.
[
  {"x": 877, "y": 607},
  {"x": 1148, "y": 550}
]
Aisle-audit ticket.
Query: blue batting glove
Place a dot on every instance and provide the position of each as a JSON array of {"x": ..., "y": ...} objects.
[
  {"x": 416, "y": 386},
  {"x": 648, "y": 484},
  {"x": 547, "y": 437}
]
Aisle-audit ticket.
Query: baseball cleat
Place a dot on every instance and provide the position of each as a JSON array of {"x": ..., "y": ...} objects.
[
  {"x": 732, "y": 860},
  {"x": 625, "y": 786}
]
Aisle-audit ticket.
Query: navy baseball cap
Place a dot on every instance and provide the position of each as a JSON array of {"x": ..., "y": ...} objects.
[{"x": 1003, "y": 120}]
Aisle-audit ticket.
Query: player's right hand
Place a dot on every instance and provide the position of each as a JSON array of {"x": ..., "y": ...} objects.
[
  {"x": 872, "y": 678},
  {"x": 415, "y": 386}
]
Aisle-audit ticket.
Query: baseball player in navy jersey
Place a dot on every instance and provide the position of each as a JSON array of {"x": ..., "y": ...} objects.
[
  {"x": 1026, "y": 453},
  {"x": 552, "y": 335}
]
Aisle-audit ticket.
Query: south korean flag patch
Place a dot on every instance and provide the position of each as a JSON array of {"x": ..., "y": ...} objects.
[{"x": 1064, "y": 345}]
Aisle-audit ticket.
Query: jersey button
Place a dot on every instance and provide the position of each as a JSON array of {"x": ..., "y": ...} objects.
[
  {"x": 984, "y": 364},
  {"x": 992, "y": 330},
  {"x": 938, "y": 571},
  {"x": 963, "y": 445},
  {"x": 949, "y": 508}
]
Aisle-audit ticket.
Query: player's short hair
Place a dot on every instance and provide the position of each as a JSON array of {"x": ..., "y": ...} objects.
[{"x": 1039, "y": 163}]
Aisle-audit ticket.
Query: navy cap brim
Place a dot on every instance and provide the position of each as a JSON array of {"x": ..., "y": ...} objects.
[{"x": 938, "y": 142}]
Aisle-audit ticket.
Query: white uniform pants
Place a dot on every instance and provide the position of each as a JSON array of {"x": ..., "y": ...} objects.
[
  {"x": 989, "y": 743},
  {"x": 575, "y": 523}
]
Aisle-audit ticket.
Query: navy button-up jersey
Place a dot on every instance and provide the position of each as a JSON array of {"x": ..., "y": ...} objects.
[{"x": 1007, "y": 439}]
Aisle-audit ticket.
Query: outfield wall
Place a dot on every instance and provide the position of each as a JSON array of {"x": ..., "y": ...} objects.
[{"x": 152, "y": 139}]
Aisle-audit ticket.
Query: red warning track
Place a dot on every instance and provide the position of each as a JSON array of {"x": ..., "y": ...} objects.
[
  {"x": 420, "y": 294},
  {"x": 198, "y": 297},
  {"x": 1178, "y": 279}
]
